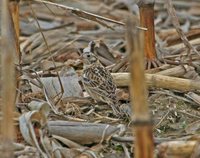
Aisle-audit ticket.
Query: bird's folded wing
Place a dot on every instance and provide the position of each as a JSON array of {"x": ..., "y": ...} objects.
[{"x": 99, "y": 79}]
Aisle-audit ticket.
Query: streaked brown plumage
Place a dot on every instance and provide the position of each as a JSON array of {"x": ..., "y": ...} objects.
[{"x": 97, "y": 80}]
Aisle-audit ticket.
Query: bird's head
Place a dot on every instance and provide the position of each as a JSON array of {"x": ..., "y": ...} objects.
[{"x": 88, "y": 54}]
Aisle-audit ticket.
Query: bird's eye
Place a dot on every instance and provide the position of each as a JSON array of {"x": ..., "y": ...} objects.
[{"x": 88, "y": 55}]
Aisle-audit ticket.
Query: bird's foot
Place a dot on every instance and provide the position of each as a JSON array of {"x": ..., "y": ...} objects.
[{"x": 152, "y": 63}]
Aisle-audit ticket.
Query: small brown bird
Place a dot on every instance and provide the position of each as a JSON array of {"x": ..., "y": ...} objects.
[{"x": 97, "y": 80}]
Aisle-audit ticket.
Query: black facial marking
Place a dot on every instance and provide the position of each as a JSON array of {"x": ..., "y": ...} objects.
[{"x": 92, "y": 44}]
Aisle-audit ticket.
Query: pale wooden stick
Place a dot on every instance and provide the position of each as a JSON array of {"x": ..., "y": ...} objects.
[
  {"x": 176, "y": 71},
  {"x": 178, "y": 149},
  {"x": 143, "y": 132},
  {"x": 14, "y": 9},
  {"x": 8, "y": 80},
  {"x": 181, "y": 45},
  {"x": 159, "y": 81}
]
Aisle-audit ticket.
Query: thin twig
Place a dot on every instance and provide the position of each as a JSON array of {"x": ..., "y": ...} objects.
[
  {"x": 158, "y": 124},
  {"x": 189, "y": 114},
  {"x": 103, "y": 134},
  {"x": 126, "y": 151},
  {"x": 34, "y": 139},
  {"x": 87, "y": 15},
  {"x": 175, "y": 22},
  {"x": 78, "y": 12},
  {"x": 61, "y": 86}
]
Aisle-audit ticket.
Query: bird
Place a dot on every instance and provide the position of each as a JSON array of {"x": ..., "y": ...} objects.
[{"x": 97, "y": 80}]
